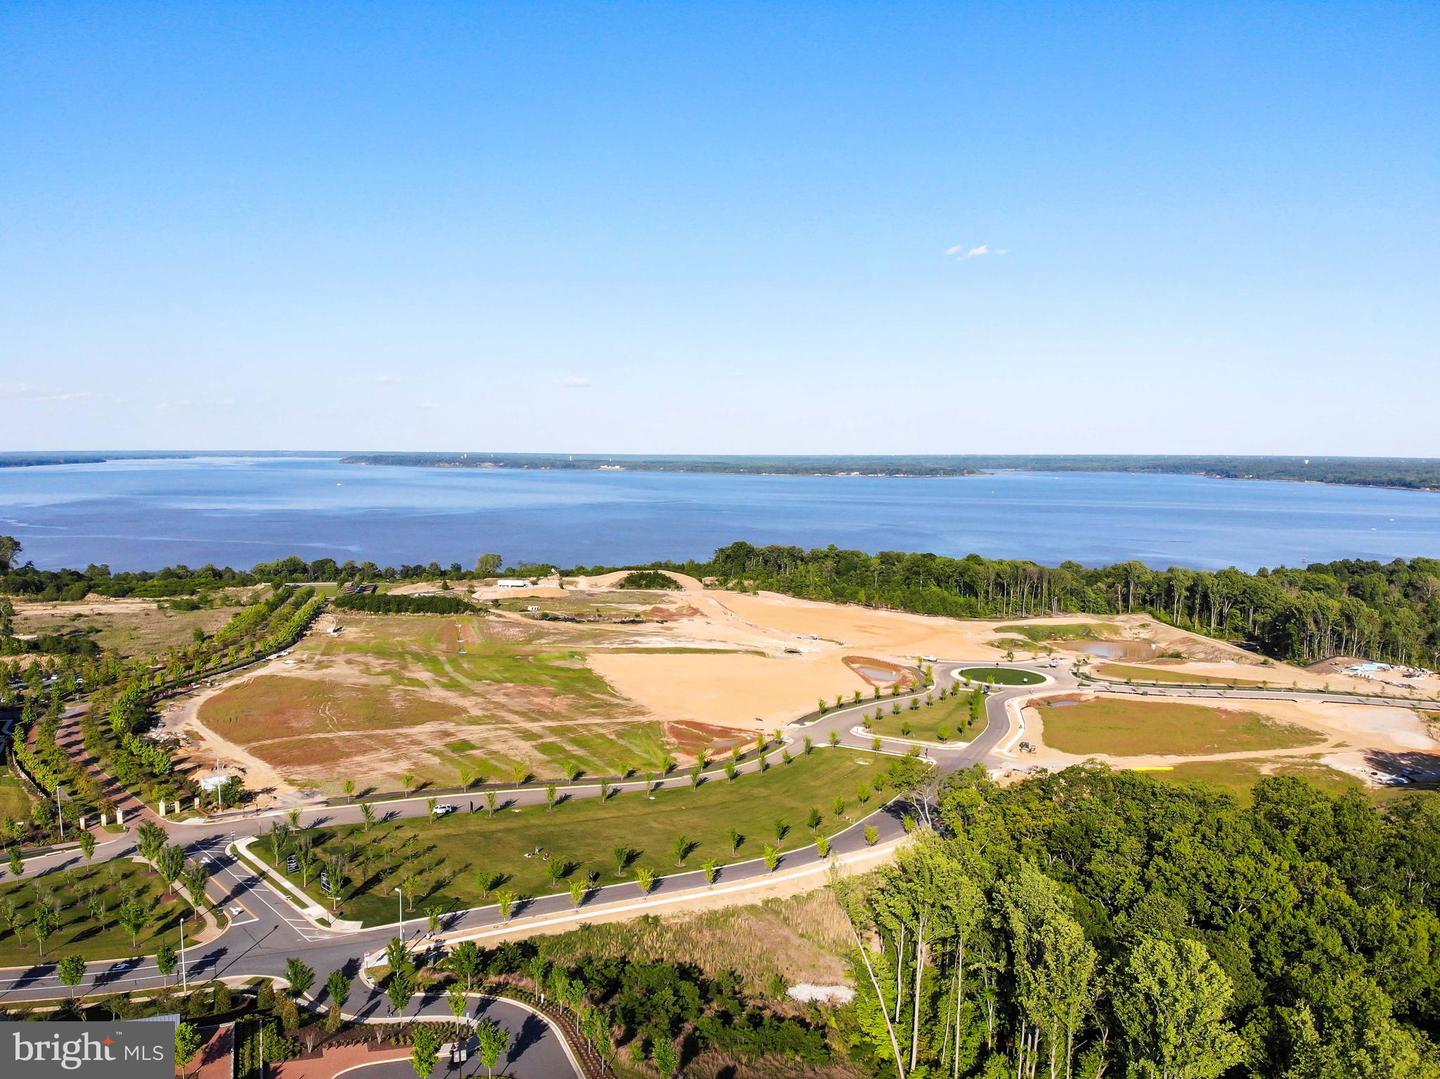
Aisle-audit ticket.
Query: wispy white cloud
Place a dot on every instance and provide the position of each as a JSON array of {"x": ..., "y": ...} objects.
[
  {"x": 962, "y": 252},
  {"x": 73, "y": 395},
  {"x": 188, "y": 404},
  {"x": 575, "y": 382},
  {"x": 387, "y": 380},
  {"x": 26, "y": 392}
]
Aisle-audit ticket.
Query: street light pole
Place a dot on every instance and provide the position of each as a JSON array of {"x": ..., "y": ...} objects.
[
  {"x": 400, "y": 910},
  {"x": 184, "y": 980},
  {"x": 59, "y": 813}
]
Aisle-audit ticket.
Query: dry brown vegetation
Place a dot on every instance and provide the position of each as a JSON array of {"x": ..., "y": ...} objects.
[
  {"x": 801, "y": 939},
  {"x": 129, "y": 627}
]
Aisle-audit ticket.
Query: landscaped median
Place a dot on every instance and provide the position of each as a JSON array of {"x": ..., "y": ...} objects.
[
  {"x": 474, "y": 859},
  {"x": 291, "y": 892},
  {"x": 956, "y": 718},
  {"x": 1000, "y": 676}
]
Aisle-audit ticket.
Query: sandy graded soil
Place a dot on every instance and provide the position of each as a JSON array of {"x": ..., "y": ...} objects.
[{"x": 803, "y": 646}]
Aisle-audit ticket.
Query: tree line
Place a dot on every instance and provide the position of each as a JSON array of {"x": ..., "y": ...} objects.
[
  {"x": 25, "y": 579},
  {"x": 1388, "y": 611},
  {"x": 649, "y": 580},
  {"x": 389, "y": 603}
]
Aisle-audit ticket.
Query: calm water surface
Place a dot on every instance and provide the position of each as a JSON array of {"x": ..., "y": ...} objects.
[{"x": 238, "y": 511}]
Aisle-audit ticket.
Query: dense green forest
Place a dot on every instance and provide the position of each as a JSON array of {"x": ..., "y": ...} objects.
[
  {"x": 1388, "y": 611},
  {"x": 1093, "y": 923},
  {"x": 72, "y": 584}
]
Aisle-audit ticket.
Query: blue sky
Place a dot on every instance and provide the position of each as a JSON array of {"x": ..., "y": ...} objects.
[{"x": 721, "y": 228}]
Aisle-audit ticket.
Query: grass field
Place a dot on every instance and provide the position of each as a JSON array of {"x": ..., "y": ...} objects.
[
  {"x": 601, "y": 606},
  {"x": 458, "y": 861},
  {"x": 443, "y": 698},
  {"x": 1070, "y": 631},
  {"x": 1000, "y": 676},
  {"x": 1125, "y": 672},
  {"x": 1135, "y": 728},
  {"x": 1238, "y": 777},
  {"x": 82, "y": 925},
  {"x": 14, "y": 801},
  {"x": 130, "y": 628},
  {"x": 928, "y": 722}
]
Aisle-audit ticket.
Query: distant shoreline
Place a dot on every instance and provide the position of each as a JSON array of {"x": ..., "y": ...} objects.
[
  {"x": 1402, "y": 474},
  {"x": 1393, "y": 473}
]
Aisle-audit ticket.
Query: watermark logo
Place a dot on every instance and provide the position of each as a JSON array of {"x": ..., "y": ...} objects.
[{"x": 61, "y": 1050}]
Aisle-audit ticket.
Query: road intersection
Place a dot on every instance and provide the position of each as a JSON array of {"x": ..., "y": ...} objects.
[{"x": 264, "y": 927}]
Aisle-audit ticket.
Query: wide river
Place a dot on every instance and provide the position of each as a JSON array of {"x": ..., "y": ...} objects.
[{"x": 238, "y": 511}]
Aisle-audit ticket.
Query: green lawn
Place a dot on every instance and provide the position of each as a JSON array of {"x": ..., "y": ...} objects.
[
  {"x": 1126, "y": 672},
  {"x": 1239, "y": 777},
  {"x": 14, "y": 802},
  {"x": 1131, "y": 728},
  {"x": 449, "y": 862},
  {"x": 1001, "y": 676},
  {"x": 601, "y": 606},
  {"x": 80, "y": 928},
  {"x": 942, "y": 721}
]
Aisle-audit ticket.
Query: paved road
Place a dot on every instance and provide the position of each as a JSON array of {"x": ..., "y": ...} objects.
[{"x": 265, "y": 929}]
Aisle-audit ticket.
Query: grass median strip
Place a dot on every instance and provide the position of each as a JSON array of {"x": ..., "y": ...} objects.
[
  {"x": 956, "y": 719},
  {"x": 472, "y": 859},
  {"x": 1001, "y": 676}
]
